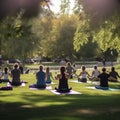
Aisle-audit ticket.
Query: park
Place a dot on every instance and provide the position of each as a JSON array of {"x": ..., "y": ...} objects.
[{"x": 34, "y": 35}]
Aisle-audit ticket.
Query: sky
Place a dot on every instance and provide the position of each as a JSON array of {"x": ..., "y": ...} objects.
[{"x": 55, "y": 7}]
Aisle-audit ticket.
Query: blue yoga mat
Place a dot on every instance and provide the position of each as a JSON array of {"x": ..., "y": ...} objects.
[{"x": 110, "y": 89}]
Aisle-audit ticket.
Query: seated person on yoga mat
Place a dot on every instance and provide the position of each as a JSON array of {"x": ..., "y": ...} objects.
[
  {"x": 40, "y": 76},
  {"x": 5, "y": 75},
  {"x": 113, "y": 75},
  {"x": 69, "y": 70},
  {"x": 63, "y": 81},
  {"x": 103, "y": 80},
  {"x": 15, "y": 74},
  {"x": 95, "y": 73},
  {"x": 48, "y": 76},
  {"x": 83, "y": 74}
]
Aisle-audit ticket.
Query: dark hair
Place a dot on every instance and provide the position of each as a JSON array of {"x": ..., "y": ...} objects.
[
  {"x": 41, "y": 67},
  {"x": 62, "y": 70},
  {"x": 68, "y": 64},
  {"x": 95, "y": 67},
  {"x": 5, "y": 69},
  {"x": 103, "y": 69},
  {"x": 83, "y": 67},
  {"x": 16, "y": 65},
  {"x": 112, "y": 69}
]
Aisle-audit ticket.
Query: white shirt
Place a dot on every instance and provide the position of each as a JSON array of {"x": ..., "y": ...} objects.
[{"x": 96, "y": 73}]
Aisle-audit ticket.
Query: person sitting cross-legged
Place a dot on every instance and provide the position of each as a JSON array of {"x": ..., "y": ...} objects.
[
  {"x": 16, "y": 74},
  {"x": 103, "y": 80},
  {"x": 48, "y": 76},
  {"x": 83, "y": 75},
  {"x": 63, "y": 81},
  {"x": 113, "y": 75},
  {"x": 5, "y": 75},
  {"x": 95, "y": 73},
  {"x": 40, "y": 76}
]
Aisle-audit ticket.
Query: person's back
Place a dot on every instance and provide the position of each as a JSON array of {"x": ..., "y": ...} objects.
[
  {"x": 40, "y": 78},
  {"x": 63, "y": 81},
  {"x": 15, "y": 74},
  {"x": 113, "y": 75},
  {"x": 48, "y": 75},
  {"x": 104, "y": 78}
]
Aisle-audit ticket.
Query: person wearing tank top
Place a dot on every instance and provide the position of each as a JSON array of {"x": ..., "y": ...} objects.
[
  {"x": 48, "y": 76},
  {"x": 83, "y": 75},
  {"x": 63, "y": 81}
]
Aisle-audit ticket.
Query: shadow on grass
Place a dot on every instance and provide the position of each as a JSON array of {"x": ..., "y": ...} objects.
[{"x": 62, "y": 107}]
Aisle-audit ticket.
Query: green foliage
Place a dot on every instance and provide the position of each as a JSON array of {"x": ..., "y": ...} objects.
[
  {"x": 107, "y": 36},
  {"x": 81, "y": 35},
  {"x": 17, "y": 39}
]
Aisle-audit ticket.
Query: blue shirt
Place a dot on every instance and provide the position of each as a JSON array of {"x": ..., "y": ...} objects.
[{"x": 40, "y": 78}]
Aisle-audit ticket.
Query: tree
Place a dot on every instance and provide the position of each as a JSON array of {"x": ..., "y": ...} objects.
[
  {"x": 17, "y": 39},
  {"x": 107, "y": 36},
  {"x": 81, "y": 35}
]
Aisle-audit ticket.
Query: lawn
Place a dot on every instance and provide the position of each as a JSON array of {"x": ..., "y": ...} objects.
[{"x": 24, "y": 104}]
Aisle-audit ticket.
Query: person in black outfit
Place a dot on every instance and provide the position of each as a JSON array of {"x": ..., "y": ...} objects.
[
  {"x": 113, "y": 75},
  {"x": 103, "y": 80},
  {"x": 63, "y": 81}
]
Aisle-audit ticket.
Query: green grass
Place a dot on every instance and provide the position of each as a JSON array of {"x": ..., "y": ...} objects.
[{"x": 25, "y": 104}]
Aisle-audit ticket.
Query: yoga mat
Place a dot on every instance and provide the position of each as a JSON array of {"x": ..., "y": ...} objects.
[
  {"x": 52, "y": 83},
  {"x": 47, "y": 88},
  {"x": 71, "y": 92},
  {"x": 110, "y": 89},
  {"x": 22, "y": 85}
]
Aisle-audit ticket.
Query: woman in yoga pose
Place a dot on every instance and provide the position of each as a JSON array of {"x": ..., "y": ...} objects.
[{"x": 63, "y": 81}]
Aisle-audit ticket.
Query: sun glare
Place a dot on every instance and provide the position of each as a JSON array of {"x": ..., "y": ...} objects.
[{"x": 55, "y": 5}]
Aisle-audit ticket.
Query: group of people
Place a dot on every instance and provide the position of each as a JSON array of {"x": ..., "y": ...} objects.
[
  {"x": 66, "y": 72},
  {"x": 70, "y": 69},
  {"x": 14, "y": 74},
  {"x": 42, "y": 78},
  {"x": 103, "y": 76}
]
